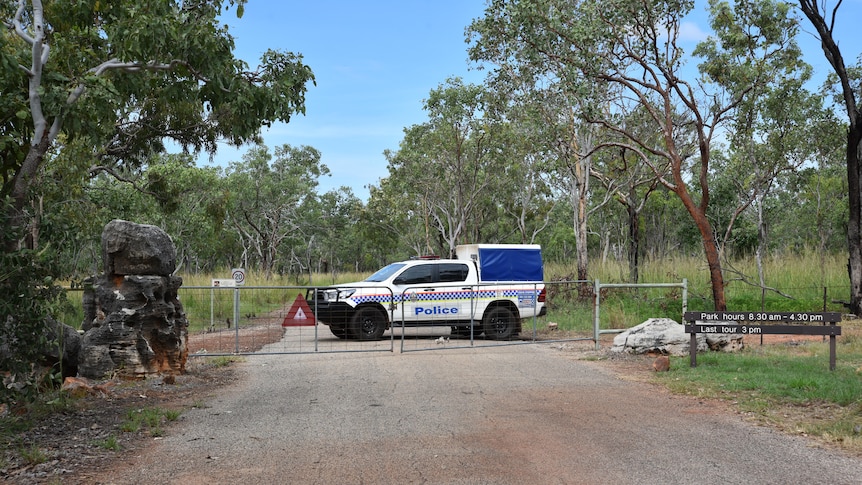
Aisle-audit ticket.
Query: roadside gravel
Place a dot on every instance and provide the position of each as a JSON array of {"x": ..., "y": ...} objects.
[{"x": 536, "y": 414}]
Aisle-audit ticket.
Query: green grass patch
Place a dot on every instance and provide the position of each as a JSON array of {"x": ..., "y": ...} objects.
[
  {"x": 33, "y": 455},
  {"x": 767, "y": 376},
  {"x": 148, "y": 419},
  {"x": 223, "y": 360},
  {"x": 110, "y": 443},
  {"x": 787, "y": 386}
]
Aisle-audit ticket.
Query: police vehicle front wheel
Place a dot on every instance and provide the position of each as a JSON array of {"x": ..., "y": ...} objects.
[
  {"x": 499, "y": 323},
  {"x": 368, "y": 323},
  {"x": 339, "y": 331}
]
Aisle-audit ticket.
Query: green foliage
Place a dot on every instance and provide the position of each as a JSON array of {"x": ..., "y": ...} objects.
[
  {"x": 147, "y": 70},
  {"x": 223, "y": 361},
  {"x": 119, "y": 79},
  {"x": 110, "y": 443},
  {"x": 27, "y": 296},
  {"x": 797, "y": 282},
  {"x": 96, "y": 88},
  {"x": 33, "y": 455},
  {"x": 771, "y": 376},
  {"x": 148, "y": 419},
  {"x": 436, "y": 194}
]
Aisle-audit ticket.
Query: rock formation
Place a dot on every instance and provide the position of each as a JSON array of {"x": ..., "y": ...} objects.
[
  {"x": 134, "y": 324},
  {"x": 667, "y": 337}
]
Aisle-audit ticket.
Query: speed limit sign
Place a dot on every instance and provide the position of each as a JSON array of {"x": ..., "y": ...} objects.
[{"x": 238, "y": 275}]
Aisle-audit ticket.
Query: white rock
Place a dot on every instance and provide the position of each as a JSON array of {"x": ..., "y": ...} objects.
[{"x": 659, "y": 335}]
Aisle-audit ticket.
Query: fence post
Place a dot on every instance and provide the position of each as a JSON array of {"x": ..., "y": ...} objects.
[
  {"x": 597, "y": 301},
  {"x": 684, "y": 295},
  {"x": 236, "y": 318}
]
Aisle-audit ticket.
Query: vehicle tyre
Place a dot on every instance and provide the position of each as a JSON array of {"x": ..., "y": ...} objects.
[
  {"x": 339, "y": 331},
  {"x": 367, "y": 324},
  {"x": 499, "y": 323}
]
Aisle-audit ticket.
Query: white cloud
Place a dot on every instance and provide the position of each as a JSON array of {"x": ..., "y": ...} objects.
[{"x": 691, "y": 32}]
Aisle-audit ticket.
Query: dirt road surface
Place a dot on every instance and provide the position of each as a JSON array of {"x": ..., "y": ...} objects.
[{"x": 505, "y": 415}]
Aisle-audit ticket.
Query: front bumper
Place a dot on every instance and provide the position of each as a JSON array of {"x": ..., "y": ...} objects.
[{"x": 330, "y": 312}]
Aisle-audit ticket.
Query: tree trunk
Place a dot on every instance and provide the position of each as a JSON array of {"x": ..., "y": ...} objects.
[
  {"x": 854, "y": 224},
  {"x": 813, "y": 11},
  {"x": 581, "y": 188},
  {"x": 712, "y": 260},
  {"x": 634, "y": 243},
  {"x": 761, "y": 248},
  {"x": 15, "y": 217},
  {"x": 583, "y": 255},
  {"x": 580, "y": 228}
]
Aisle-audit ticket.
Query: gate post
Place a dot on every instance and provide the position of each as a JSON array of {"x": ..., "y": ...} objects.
[{"x": 596, "y": 302}]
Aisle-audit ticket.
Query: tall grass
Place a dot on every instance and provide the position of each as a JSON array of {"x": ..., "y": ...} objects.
[
  {"x": 796, "y": 282},
  {"x": 792, "y": 282}
]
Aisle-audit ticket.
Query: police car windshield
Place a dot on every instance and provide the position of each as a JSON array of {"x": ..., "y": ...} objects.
[{"x": 384, "y": 273}]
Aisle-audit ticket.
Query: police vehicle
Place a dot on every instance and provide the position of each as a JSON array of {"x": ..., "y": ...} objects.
[{"x": 487, "y": 290}]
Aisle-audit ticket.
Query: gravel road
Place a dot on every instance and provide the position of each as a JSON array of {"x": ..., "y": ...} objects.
[{"x": 504, "y": 415}]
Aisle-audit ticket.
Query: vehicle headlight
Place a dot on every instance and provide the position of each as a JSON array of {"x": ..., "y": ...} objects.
[{"x": 339, "y": 293}]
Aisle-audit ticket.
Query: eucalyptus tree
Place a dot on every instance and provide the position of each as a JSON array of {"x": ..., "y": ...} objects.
[
  {"x": 525, "y": 192},
  {"x": 190, "y": 204},
  {"x": 450, "y": 165},
  {"x": 771, "y": 136},
  {"x": 110, "y": 81},
  {"x": 267, "y": 203},
  {"x": 332, "y": 241},
  {"x": 824, "y": 16},
  {"x": 171, "y": 192},
  {"x": 528, "y": 202},
  {"x": 388, "y": 221},
  {"x": 572, "y": 144},
  {"x": 815, "y": 197},
  {"x": 628, "y": 180},
  {"x": 633, "y": 47},
  {"x": 117, "y": 78},
  {"x": 548, "y": 111}
]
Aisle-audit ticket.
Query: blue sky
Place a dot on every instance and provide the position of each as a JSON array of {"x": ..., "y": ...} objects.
[{"x": 376, "y": 61}]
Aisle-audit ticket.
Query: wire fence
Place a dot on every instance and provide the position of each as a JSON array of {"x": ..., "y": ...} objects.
[{"x": 281, "y": 319}]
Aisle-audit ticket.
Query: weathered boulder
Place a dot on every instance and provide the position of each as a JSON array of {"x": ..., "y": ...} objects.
[
  {"x": 59, "y": 352},
  {"x": 138, "y": 249},
  {"x": 667, "y": 337},
  {"x": 134, "y": 324},
  {"x": 64, "y": 346},
  {"x": 724, "y": 342}
]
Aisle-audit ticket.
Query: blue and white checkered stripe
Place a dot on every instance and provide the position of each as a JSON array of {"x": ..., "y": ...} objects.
[{"x": 446, "y": 295}]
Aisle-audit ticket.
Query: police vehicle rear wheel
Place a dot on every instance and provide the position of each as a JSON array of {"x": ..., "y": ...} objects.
[
  {"x": 367, "y": 324},
  {"x": 499, "y": 323}
]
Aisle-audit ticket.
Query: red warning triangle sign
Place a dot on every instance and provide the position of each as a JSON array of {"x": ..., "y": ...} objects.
[{"x": 300, "y": 314}]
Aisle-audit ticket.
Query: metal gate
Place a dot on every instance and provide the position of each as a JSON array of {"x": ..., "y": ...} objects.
[
  {"x": 262, "y": 320},
  {"x": 271, "y": 320},
  {"x": 225, "y": 320}
]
